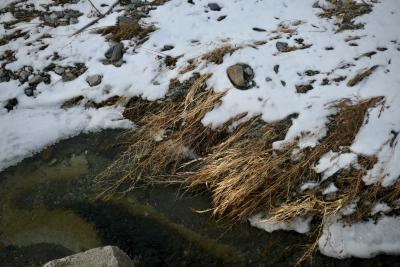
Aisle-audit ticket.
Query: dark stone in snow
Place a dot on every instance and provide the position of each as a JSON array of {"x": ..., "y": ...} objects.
[
  {"x": 11, "y": 103},
  {"x": 214, "y": 6},
  {"x": 303, "y": 88},
  {"x": 167, "y": 47},
  {"x": 282, "y": 46},
  {"x": 115, "y": 53},
  {"x": 29, "y": 91},
  {"x": 276, "y": 69}
]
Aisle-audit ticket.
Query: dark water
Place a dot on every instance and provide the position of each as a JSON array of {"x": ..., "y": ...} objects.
[{"x": 48, "y": 210}]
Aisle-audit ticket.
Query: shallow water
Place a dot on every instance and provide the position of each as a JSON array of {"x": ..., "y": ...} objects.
[{"x": 49, "y": 210}]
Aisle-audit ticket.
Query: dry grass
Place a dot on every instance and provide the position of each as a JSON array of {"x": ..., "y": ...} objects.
[
  {"x": 364, "y": 73},
  {"x": 238, "y": 166},
  {"x": 246, "y": 176},
  {"x": 166, "y": 139},
  {"x": 125, "y": 31},
  {"x": 191, "y": 65},
  {"x": 346, "y": 11},
  {"x": 217, "y": 55}
]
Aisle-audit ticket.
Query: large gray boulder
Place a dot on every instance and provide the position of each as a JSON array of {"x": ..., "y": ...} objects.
[{"x": 108, "y": 256}]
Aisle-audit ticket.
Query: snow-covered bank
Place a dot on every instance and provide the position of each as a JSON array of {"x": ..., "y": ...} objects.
[
  {"x": 319, "y": 69},
  {"x": 30, "y": 130}
]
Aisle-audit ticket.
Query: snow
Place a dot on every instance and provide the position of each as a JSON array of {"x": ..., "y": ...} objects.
[
  {"x": 300, "y": 225},
  {"x": 30, "y": 130},
  {"x": 193, "y": 30},
  {"x": 330, "y": 189},
  {"x": 332, "y": 162},
  {"x": 363, "y": 240},
  {"x": 380, "y": 207}
]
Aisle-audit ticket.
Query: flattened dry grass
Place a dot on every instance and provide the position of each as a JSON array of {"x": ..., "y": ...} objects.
[
  {"x": 125, "y": 31},
  {"x": 217, "y": 55}
]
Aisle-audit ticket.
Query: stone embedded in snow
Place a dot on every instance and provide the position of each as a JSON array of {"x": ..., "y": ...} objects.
[
  {"x": 125, "y": 20},
  {"x": 214, "y": 6},
  {"x": 23, "y": 76},
  {"x": 35, "y": 80},
  {"x": 94, "y": 80},
  {"x": 11, "y": 103},
  {"x": 167, "y": 47},
  {"x": 68, "y": 76},
  {"x": 241, "y": 76},
  {"x": 59, "y": 70},
  {"x": 282, "y": 46},
  {"x": 108, "y": 256},
  {"x": 29, "y": 91},
  {"x": 115, "y": 53}
]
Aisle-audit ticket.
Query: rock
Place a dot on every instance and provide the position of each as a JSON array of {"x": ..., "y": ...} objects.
[
  {"x": 214, "y": 7},
  {"x": 94, "y": 80},
  {"x": 303, "y": 88},
  {"x": 11, "y": 103},
  {"x": 108, "y": 256},
  {"x": 276, "y": 69},
  {"x": 49, "y": 67},
  {"x": 23, "y": 76},
  {"x": 241, "y": 76},
  {"x": 282, "y": 46},
  {"x": 311, "y": 72},
  {"x": 167, "y": 47},
  {"x": 257, "y": 29},
  {"x": 35, "y": 80},
  {"x": 220, "y": 18},
  {"x": 316, "y": 5},
  {"x": 73, "y": 20},
  {"x": 126, "y": 20},
  {"x": 29, "y": 91},
  {"x": 5, "y": 75},
  {"x": 59, "y": 70},
  {"x": 115, "y": 53},
  {"x": 68, "y": 76}
]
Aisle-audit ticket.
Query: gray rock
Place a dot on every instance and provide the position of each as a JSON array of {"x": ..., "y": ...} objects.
[
  {"x": 23, "y": 76},
  {"x": 115, "y": 53},
  {"x": 11, "y": 103},
  {"x": 94, "y": 80},
  {"x": 241, "y": 76},
  {"x": 59, "y": 14},
  {"x": 73, "y": 20},
  {"x": 276, "y": 69},
  {"x": 35, "y": 80},
  {"x": 125, "y": 20},
  {"x": 53, "y": 16},
  {"x": 316, "y": 5},
  {"x": 282, "y": 46},
  {"x": 214, "y": 6},
  {"x": 5, "y": 75},
  {"x": 59, "y": 70},
  {"x": 108, "y": 256},
  {"x": 167, "y": 47},
  {"x": 68, "y": 76},
  {"x": 303, "y": 88},
  {"x": 29, "y": 91}
]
